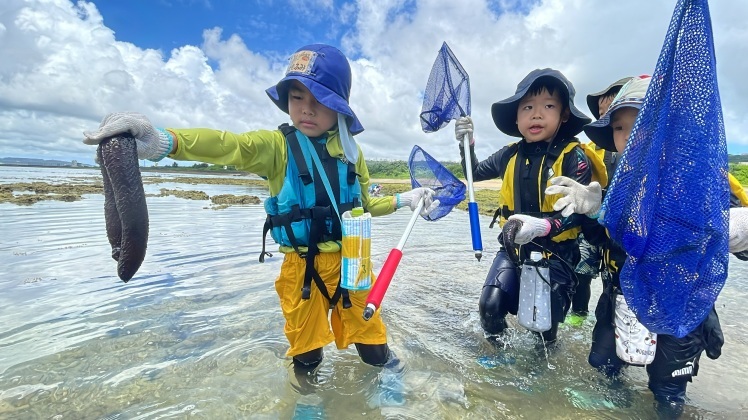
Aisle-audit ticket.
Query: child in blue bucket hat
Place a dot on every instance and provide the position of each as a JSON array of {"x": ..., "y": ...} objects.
[
  {"x": 302, "y": 217},
  {"x": 543, "y": 115}
]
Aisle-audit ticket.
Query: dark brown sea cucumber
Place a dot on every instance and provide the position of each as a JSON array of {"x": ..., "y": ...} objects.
[
  {"x": 508, "y": 234},
  {"x": 125, "y": 210}
]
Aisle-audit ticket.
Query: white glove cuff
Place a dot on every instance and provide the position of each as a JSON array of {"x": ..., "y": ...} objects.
[
  {"x": 402, "y": 200},
  {"x": 594, "y": 213},
  {"x": 162, "y": 148}
]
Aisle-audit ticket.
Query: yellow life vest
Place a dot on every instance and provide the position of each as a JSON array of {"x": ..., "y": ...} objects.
[
  {"x": 597, "y": 164},
  {"x": 506, "y": 195},
  {"x": 737, "y": 193}
]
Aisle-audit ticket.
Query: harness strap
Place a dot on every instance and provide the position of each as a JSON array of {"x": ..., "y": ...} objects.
[
  {"x": 265, "y": 229},
  {"x": 352, "y": 175},
  {"x": 310, "y": 274},
  {"x": 551, "y": 156},
  {"x": 284, "y": 221},
  {"x": 315, "y": 234},
  {"x": 518, "y": 163},
  {"x": 327, "y": 167},
  {"x": 298, "y": 155},
  {"x": 506, "y": 157},
  {"x": 340, "y": 292}
]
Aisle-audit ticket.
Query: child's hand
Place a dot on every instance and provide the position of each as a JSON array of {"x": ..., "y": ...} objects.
[
  {"x": 532, "y": 227},
  {"x": 152, "y": 144},
  {"x": 463, "y": 126},
  {"x": 577, "y": 198},
  {"x": 412, "y": 197},
  {"x": 738, "y": 229}
]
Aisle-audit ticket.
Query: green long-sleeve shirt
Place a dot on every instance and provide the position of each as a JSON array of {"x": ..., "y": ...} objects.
[{"x": 264, "y": 153}]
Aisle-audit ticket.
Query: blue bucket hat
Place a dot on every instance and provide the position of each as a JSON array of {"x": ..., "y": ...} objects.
[
  {"x": 325, "y": 71},
  {"x": 631, "y": 95},
  {"x": 505, "y": 112}
]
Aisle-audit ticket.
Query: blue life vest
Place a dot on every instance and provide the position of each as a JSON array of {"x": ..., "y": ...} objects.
[{"x": 303, "y": 199}]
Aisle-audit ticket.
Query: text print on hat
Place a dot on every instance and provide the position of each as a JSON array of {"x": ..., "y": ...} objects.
[{"x": 325, "y": 71}]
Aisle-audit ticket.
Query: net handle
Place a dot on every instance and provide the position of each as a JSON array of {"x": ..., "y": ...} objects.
[{"x": 374, "y": 300}]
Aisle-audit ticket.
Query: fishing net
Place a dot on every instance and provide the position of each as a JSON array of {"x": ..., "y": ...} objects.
[
  {"x": 668, "y": 201},
  {"x": 447, "y": 94},
  {"x": 425, "y": 171}
]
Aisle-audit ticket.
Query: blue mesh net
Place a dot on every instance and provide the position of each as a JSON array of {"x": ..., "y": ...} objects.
[
  {"x": 425, "y": 171},
  {"x": 668, "y": 202},
  {"x": 447, "y": 94}
]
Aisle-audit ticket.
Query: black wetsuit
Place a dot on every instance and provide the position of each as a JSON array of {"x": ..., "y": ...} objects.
[
  {"x": 676, "y": 360},
  {"x": 500, "y": 294}
]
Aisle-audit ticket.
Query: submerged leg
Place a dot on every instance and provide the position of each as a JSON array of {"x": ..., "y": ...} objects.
[
  {"x": 305, "y": 370},
  {"x": 581, "y": 299},
  {"x": 374, "y": 354},
  {"x": 500, "y": 294},
  {"x": 603, "y": 355},
  {"x": 390, "y": 390},
  {"x": 492, "y": 314},
  {"x": 670, "y": 397}
]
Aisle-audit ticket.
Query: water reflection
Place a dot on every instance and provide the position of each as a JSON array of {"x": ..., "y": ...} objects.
[{"x": 198, "y": 331}]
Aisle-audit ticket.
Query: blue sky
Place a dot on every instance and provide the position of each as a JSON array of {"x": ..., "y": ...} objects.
[
  {"x": 262, "y": 25},
  {"x": 207, "y": 63}
]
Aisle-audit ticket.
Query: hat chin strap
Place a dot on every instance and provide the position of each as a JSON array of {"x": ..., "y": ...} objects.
[
  {"x": 555, "y": 133},
  {"x": 346, "y": 140}
]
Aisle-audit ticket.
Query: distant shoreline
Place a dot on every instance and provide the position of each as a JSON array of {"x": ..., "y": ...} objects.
[{"x": 491, "y": 184}]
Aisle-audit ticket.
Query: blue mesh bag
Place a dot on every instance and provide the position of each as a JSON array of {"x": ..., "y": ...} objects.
[
  {"x": 668, "y": 202},
  {"x": 447, "y": 94},
  {"x": 425, "y": 171}
]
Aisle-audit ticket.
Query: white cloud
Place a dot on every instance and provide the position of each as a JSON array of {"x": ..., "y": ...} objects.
[{"x": 62, "y": 69}]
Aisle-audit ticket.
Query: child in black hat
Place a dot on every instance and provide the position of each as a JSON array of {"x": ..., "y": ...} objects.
[{"x": 542, "y": 114}]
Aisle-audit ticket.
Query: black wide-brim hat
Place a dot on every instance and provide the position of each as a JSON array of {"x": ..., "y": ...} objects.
[
  {"x": 505, "y": 112},
  {"x": 593, "y": 99}
]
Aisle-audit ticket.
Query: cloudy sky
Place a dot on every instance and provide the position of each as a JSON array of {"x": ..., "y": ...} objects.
[{"x": 207, "y": 63}]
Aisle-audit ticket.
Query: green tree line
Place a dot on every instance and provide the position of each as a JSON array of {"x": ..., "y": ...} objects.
[
  {"x": 741, "y": 173},
  {"x": 398, "y": 169}
]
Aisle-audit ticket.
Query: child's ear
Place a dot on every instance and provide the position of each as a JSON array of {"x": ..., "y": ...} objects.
[{"x": 565, "y": 115}]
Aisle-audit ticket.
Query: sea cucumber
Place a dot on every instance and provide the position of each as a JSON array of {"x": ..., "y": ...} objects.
[
  {"x": 508, "y": 233},
  {"x": 125, "y": 210}
]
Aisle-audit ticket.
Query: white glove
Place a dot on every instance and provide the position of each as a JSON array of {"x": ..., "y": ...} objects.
[
  {"x": 464, "y": 125},
  {"x": 532, "y": 227},
  {"x": 412, "y": 197},
  {"x": 577, "y": 198},
  {"x": 739, "y": 229},
  {"x": 152, "y": 144}
]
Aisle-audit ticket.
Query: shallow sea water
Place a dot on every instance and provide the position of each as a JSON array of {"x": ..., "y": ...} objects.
[{"x": 198, "y": 331}]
